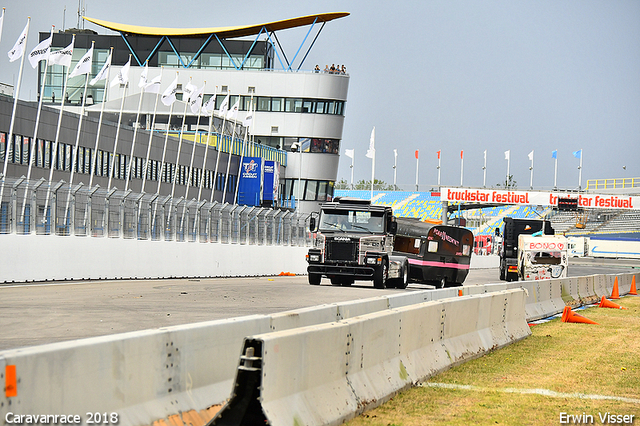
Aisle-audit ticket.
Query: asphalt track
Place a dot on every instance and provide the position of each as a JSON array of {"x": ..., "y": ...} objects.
[{"x": 39, "y": 313}]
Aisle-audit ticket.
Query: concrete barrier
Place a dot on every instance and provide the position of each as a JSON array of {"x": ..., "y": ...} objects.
[
  {"x": 52, "y": 257},
  {"x": 149, "y": 375},
  {"x": 328, "y": 373}
]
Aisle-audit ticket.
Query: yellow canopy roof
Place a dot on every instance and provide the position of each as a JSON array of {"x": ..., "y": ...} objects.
[{"x": 222, "y": 32}]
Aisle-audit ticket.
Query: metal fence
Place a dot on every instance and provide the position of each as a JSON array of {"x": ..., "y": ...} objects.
[{"x": 34, "y": 207}]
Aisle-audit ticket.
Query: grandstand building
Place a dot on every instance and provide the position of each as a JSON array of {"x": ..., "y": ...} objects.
[{"x": 298, "y": 118}]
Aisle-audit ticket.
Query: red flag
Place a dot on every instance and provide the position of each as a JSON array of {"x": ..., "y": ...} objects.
[
  {"x": 438, "y": 155},
  {"x": 461, "y": 154},
  {"x": 416, "y": 154}
]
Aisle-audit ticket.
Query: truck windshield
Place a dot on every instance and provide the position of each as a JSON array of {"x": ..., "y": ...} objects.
[
  {"x": 351, "y": 221},
  {"x": 546, "y": 258}
]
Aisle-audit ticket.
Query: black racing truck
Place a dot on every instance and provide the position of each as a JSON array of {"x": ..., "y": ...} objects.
[
  {"x": 508, "y": 250},
  {"x": 354, "y": 241}
]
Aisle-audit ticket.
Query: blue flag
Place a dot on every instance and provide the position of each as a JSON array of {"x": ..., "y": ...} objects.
[
  {"x": 577, "y": 154},
  {"x": 554, "y": 154}
]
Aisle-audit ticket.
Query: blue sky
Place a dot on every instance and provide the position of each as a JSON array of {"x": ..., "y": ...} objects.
[{"x": 441, "y": 75}]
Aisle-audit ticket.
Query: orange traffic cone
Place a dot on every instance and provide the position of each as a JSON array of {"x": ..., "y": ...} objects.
[
  {"x": 633, "y": 290},
  {"x": 614, "y": 293},
  {"x": 569, "y": 316},
  {"x": 604, "y": 303}
]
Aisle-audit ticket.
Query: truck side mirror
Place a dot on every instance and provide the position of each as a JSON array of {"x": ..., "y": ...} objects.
[
  {"x": 393, "y": 227},
  {"x": 312, "y": 224}
]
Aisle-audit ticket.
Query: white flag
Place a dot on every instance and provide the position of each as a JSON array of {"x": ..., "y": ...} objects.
[
  {"x": 233, "y": 112},
  {"x": 103, "y": 72},
  {"x": 188, "y": 91},
  {"x": 224, "y": 106},
  {"x": 196, "y": 100},
  {"x": 349, "y": 153},
  {"x": 40, "y": 52},
  {"x": 62, "y": 57},
  {"x": 143, "y": 75},
  {"x": 371, "y": 152},
  {"x": 507, "y": 154},
  {"x": 18, "y": 48},
  {"x": 531, "y": 156},
  {"x": 153, "y": 86},
  {"x": 123, "y": 76},
  {"x": 248, "y": 119},
  {"x": 84, "y": 65},
  {"x": 210, "y": 105},
  {"x": 169, "y": 95}
]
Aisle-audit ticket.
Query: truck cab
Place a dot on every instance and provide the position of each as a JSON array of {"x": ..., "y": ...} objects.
[
  {"x": 542, "y": 257},
  {"x": 354, "y": 241}
]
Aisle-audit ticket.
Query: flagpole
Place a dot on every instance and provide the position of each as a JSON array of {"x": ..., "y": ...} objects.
[
  {"x": 193, "y": 151},
  {"x": 531, "y": 168},
  {"x": 161, "y": 172},
  {"x": 206, "y": 153},
  {"x": 94, "y": 163},
  {"x": 218, "y": 149},
  {"x": 75, "y": 149},
  {"x": 54, "y": 148},
  {"x": 153, "y": 123},
  {"x": 352, "y": 170},
  {"x": 555, "y": 175},
  {"x": 580, "y": 173},
  {"x": 1, "y": 22},
  {"x": 184, "y": 117},
  {"x": 74, "y": 161},
  {"x": 115, "y": 144},
  {"x": 484, "y": 170},
  {"x": 395, "y": 167},
  {"x": 373, "y": 158},
  {"x": 133, "y": 143},
  {"x": 233, "y": 134},
  {"x": 244, "y": 142},
  {"x": 417, "y": 170},
  {"x": 508, "y": 163},
  {"x": 439, "y": 159},
  {"x": 461, "y": 166},
  {"x": 35, "y": 133},
  {"x": 13, "y": 113}
]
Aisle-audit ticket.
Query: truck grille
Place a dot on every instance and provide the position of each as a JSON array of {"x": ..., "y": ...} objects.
[{"x": 342, "y": 251}]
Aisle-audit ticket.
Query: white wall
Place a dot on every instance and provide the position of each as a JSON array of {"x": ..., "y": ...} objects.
[{"x": 49, "y": 257}]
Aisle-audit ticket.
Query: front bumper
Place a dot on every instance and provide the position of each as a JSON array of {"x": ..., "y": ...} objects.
[{"x": 355, "y": 272}]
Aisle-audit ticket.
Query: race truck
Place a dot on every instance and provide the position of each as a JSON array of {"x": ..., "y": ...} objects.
[
  {"x": 354, "y": 241},
  {"x": 508, "y": 251},
  {"x": 543, "y": 257}
]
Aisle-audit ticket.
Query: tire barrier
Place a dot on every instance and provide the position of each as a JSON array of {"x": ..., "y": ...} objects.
[{"x": 361, "y": 362}]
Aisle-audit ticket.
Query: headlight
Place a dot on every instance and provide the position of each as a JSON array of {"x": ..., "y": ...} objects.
[
  {"x": 314, "y": 258},
  {"x": 371, "y": 260}
]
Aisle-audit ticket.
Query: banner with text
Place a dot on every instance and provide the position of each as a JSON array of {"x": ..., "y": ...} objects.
[{"x": 538, "y": 198}]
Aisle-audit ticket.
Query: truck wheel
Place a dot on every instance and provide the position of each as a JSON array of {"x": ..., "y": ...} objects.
[
  {"x": 502, "y": 273},
  {"x": 314, "y": 279},
  {"x": 512, "y": 276},
  {"x": 380, "y": 275},
  {"x": 442, "y": 283},
  {"x": 336, "y": 280},
  {"x": 402, "y": 282}
]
